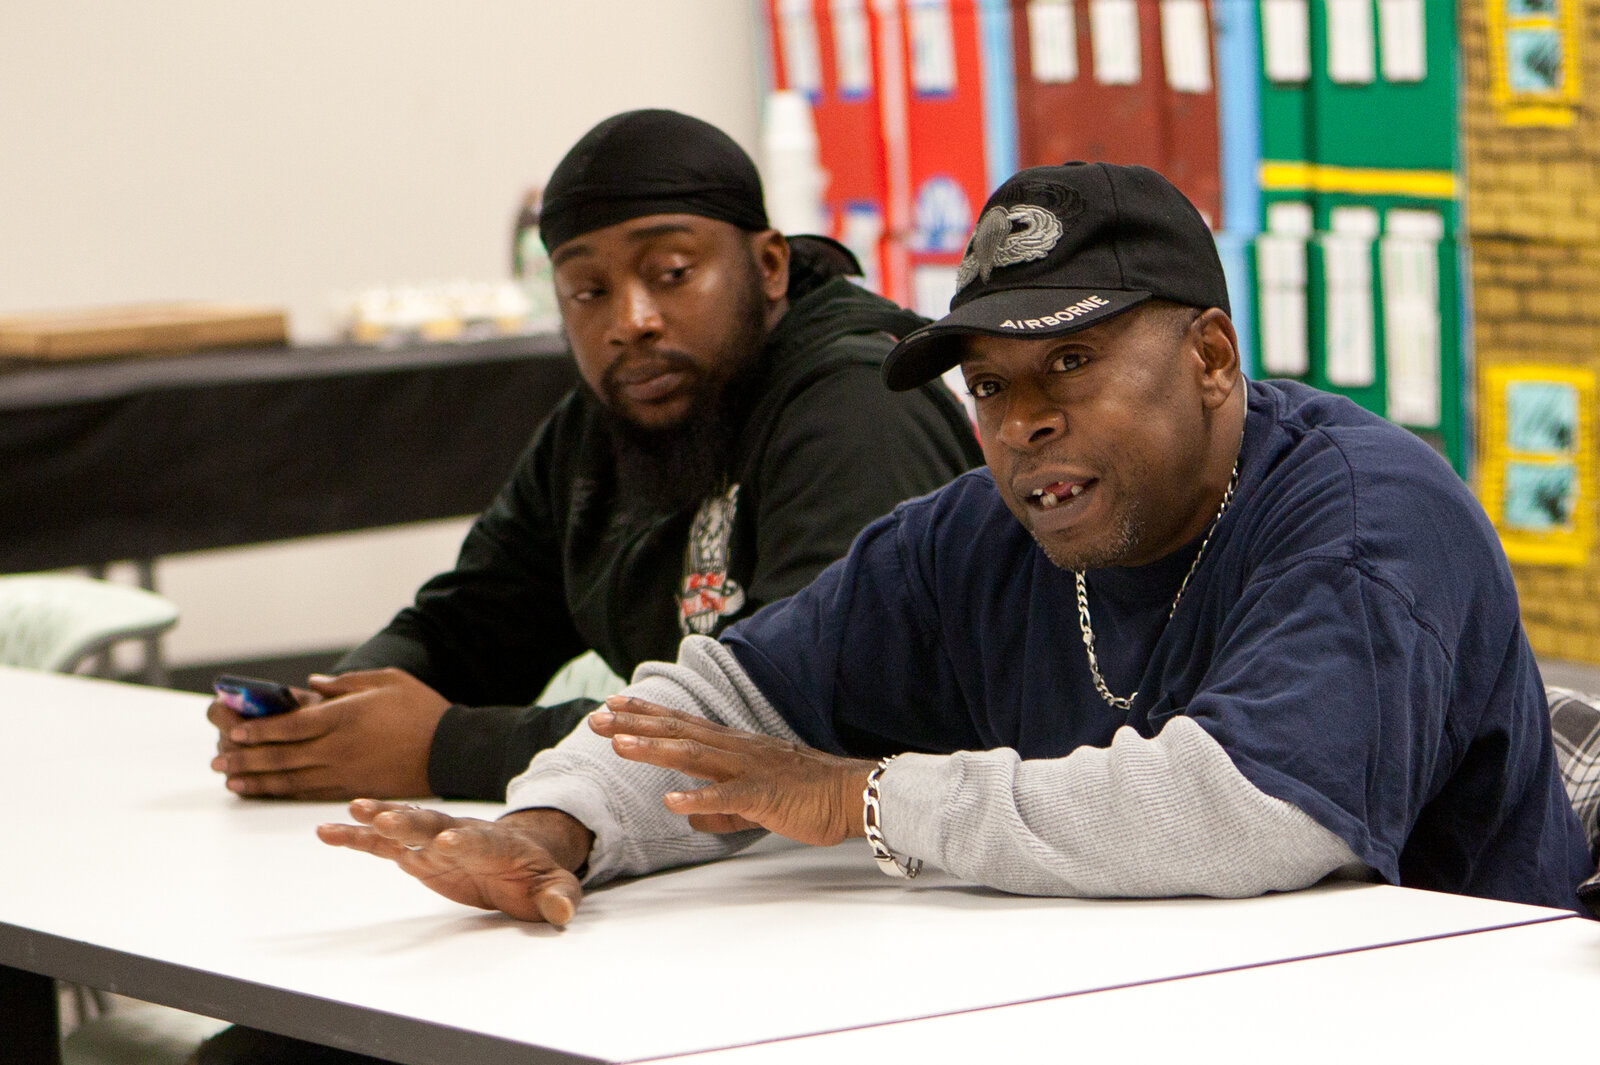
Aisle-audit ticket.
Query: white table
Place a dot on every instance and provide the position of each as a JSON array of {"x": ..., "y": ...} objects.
[
  {"x": 1507, "y": 995},
  {"x": 131, "y": 868}
]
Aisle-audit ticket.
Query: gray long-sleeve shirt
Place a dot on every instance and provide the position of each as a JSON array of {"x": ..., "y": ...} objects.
[{"x": 1164, "y": 816}]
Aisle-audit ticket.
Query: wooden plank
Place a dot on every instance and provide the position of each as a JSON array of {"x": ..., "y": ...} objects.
[{"x": 145, "y": 329}]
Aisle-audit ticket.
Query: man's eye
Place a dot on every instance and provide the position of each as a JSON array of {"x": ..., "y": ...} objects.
[
  {"x": 1064, "y": 363},
  {"x": 983, "y": 389},
  {"x": 586, "y": 295},
  {"x": 675, "y": 274}
]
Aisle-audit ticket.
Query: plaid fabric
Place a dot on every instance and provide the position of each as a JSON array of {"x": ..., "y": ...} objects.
[{"x": 1575, "y": 723}]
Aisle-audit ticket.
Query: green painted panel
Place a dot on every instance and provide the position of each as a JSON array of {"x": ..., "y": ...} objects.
[
  {"x": 1407, "y": 125},
  {"x": 1450, "y": 437},
  {"x": 1379, "y": 125},
  {"x": 1382, "y": 124}
]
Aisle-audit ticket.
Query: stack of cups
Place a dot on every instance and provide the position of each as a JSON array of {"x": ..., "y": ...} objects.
[{"x": 793, "y": 177}]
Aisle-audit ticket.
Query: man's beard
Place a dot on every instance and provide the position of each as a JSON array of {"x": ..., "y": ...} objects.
[{"x": 662, "y": 471}]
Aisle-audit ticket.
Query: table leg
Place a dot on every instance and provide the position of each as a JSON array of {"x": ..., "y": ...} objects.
[{"x": 30, "y": 1027}]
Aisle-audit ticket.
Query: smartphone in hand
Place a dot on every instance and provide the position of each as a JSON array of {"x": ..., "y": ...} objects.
[{"x": 250, "y": 697}]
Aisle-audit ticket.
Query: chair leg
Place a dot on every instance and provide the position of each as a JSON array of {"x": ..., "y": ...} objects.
[
  {"x": 100, "y": 664},
  {"x": 88, "y": 1003},
  {"x": 155, "y": 667},
  {"x": 155, "y": 672},
  {"x": 82, "y": 1006}
]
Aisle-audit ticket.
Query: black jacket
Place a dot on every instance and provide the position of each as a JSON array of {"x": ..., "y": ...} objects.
[{"x": 554, "y": 568}]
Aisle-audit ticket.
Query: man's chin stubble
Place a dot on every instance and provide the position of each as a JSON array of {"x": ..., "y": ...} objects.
[{"x": 1123, "y": 542}]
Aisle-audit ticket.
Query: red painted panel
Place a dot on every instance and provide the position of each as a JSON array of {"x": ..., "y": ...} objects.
[{"x": 1148, "y": 123}]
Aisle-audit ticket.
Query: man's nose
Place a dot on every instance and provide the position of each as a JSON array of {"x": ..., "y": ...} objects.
[
  {"x": 637, "y": 316},
  {"x": 1031, "y": 418}
]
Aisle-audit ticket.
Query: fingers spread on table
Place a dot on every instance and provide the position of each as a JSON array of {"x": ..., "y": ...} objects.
[
  {"x": 360, "y": 838},
  {"x": 413, "y": 825},
  {"x": 557, "y": 902},
  {"x": 393, "y": 830},
  {"x": 531, "y": 892}
]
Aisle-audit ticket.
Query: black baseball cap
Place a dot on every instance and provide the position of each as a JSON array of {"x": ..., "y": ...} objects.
[{"x": 1059, "y": 248}]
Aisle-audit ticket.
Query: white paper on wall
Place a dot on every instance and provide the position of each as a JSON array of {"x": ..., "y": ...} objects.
[
  {"x": 933, "y": 50},
  {"x": 1052, "y": 41},
  {"x": 1114, "y": 31},
  {"x": 1291, "y": 218},
  {"x": 1286, "y": 39},
  {"x": 799, "y": 31},
  {"x": 861, "y": 231},
  {"x": 1281, "y": 277},
  {"x": 1402, "y": 38},
  {"x": 1347, "y": 282},
  {"x": 1186, "y": 45},
  {"x": 852, "y": 46},
  {"x": 1351, "y": 44},
  {"x": 932, "y": 288},
  {"x": 1409, "y": 254},
  {"x": 1281, "y": 271}
]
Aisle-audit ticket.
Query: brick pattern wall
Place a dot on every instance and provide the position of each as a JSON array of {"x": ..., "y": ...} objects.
[{"x": 1533, "y": 226}]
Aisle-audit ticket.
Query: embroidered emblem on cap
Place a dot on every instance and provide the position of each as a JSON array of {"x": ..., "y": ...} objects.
[
  {"x": 1019, "y": 232},
  {"x": 1006, "y": 236}
]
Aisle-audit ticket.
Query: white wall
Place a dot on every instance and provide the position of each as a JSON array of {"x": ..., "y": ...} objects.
[{"x": 284, "y": 152}]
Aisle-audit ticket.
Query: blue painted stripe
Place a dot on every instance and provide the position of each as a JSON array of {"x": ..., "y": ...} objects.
[
  {"x": 1238, "y": 60},
  {"x": 1234, "y": 251},
  {"x": 1238, "y": 38},
  {"x": 999, "y": 91}
]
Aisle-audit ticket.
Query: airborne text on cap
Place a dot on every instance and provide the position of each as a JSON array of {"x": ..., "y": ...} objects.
[{"x": 1065, "y": 314}]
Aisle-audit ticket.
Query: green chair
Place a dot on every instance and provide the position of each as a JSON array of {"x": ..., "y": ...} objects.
[
  {"x": 60, "y": 623},
  {"x": 585, "y": 677},
  {"x": 57, "y": 622}
]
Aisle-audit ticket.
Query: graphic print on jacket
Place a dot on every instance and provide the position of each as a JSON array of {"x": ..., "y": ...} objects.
[{"x": 708, "y": 595}]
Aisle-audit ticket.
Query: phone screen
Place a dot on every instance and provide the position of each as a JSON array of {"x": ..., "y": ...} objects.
[{"x": 251, "y": 697}]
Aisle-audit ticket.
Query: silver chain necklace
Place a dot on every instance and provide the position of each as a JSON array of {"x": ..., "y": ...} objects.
[{"x": 1083, "y": 601}]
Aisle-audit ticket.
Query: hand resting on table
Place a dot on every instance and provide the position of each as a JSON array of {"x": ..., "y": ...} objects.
[
  {"x": 524, "y": 864},
  {"x": 361, "y": 733}
]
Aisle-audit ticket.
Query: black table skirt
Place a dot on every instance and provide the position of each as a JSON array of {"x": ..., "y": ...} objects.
[{"x": 138, "y": 458}]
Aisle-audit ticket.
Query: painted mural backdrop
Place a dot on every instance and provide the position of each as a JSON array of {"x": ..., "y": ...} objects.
[{"x": 1403, "y": 194}]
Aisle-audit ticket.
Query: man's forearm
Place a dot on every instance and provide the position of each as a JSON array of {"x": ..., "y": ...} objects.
[
  {"x": 621, "y": 801},
  {"x": 1161, "y": 817}
]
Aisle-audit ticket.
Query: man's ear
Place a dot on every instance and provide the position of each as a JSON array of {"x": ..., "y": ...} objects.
[
  {"x": 770, "y": 249},
  {"x": 1218, "y": 347}
]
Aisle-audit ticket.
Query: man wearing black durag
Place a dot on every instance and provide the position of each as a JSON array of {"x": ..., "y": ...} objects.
[
  {"x": 730, "y": 437},
  {"x": 728, "y": 440}
]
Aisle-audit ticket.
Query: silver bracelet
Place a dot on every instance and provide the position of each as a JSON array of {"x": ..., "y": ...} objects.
[{"x": 872, "y": 817}]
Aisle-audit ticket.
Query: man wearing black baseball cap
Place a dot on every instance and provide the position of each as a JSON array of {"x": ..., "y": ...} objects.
[{"x": 1186, "y": 634}]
